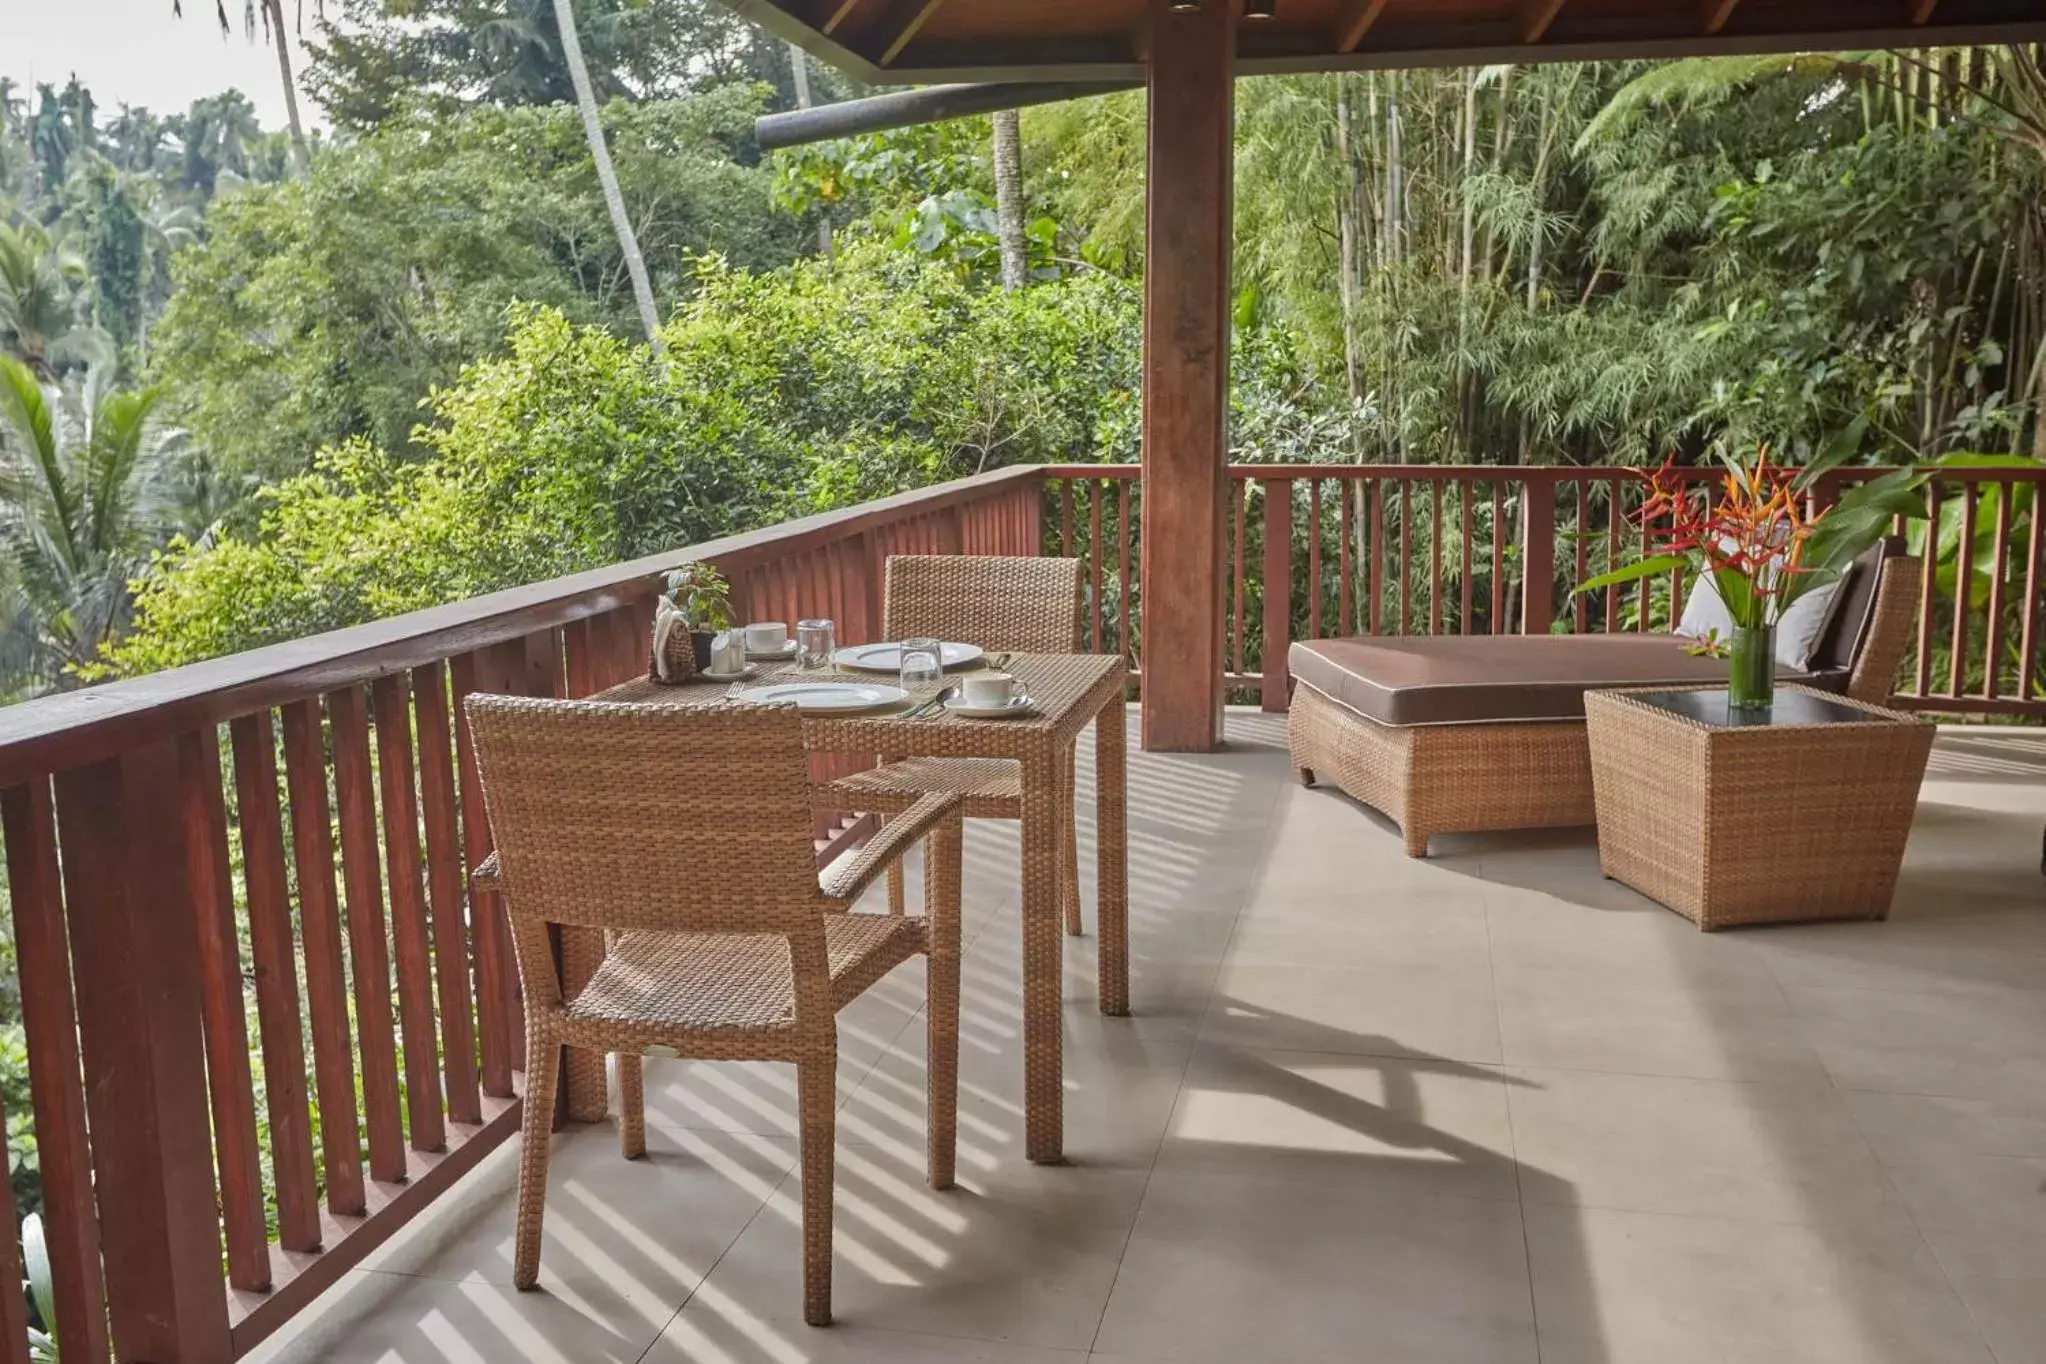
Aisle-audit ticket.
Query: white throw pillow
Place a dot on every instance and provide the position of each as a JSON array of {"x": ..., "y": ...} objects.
[
  {"x": 1797, "y": 633},
  {"x": 1800, "y": 628},
  {"x": 1704, "y": 613}
]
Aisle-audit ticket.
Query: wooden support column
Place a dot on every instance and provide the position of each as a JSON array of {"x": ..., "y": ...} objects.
[{"x": 1186, "y": 372}]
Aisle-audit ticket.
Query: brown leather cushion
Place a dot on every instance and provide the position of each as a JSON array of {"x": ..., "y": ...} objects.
[
  {"x": 1490, "y": 679},
  {"x": 1840, "y": 643}
]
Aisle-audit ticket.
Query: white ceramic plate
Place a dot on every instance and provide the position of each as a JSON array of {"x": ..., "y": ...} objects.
[
  {"x": 826, "y": 696},
  {"x": 1016, "y": 705},
  {"x": 887, "y": 658},
  {"x": 787, "y": 650},
  {"x": 748, "y": 671}
]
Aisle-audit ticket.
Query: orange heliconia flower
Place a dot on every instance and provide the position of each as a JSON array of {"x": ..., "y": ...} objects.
[{"x": 1756, "y": 525}]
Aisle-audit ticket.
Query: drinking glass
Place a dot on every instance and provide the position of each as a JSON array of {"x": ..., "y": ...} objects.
[
  {"x": 922, "y": 664},
  {"x": 815, "y": 641}
]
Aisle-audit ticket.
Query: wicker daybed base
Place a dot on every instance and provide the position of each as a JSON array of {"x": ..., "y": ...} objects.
[
  {"x": 1445, "y": 779},
  {"x": 1449, "y": 765}
]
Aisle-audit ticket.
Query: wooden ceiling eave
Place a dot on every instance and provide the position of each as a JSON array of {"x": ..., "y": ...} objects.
[{"x": 864, "y": 31}]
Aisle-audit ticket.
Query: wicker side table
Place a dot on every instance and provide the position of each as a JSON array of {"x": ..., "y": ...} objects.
[{"x": 1794, "y": 815}]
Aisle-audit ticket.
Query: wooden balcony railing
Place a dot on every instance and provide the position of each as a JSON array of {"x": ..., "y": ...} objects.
[
  {"x": 275, "y": 847},
  {"x": 266, "y": 1020},
  {"x": 1320, "y": 549}
]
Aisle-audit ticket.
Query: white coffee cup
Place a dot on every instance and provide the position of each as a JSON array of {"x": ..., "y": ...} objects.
[
  {"x": 988, "y": 689},
  {"x": 767, "y": 637}
]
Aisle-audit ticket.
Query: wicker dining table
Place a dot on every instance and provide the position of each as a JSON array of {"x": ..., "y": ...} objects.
[{"x": 1069, "y": 690}]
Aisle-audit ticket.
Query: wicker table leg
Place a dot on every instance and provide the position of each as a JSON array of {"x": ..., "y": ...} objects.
[
  {"x": 1112, "y": 857},
  {"x": 1043, "y": 963}
]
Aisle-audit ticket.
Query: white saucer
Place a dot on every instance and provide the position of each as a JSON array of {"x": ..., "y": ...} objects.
[
  {"x": 1016, "y": 706},
  {"x": 748, "y": 671},
  {"x": 787, "y": 650}
]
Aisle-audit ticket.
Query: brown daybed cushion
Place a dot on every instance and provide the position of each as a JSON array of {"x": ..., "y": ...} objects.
[
  {"x": 1490, "y": 679},
  {"x": 1494, "y": 679}
]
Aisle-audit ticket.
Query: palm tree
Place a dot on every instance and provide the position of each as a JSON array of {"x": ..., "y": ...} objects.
[
  {"x": 166, "y": 227},
  {"x": 614, "y": 200},
  {"x": 213, "y": 139},
  {"x": 39, "y": 315},
  {"x": 1009, "y": 198},
  {"x": 272, "y": 15},
  {"x": 82, "y": 478}
]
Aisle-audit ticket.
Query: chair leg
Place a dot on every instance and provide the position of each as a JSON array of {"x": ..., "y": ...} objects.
[
  {"x": 631, "y": 1104},
  {"x": 817, "y": 1099},
  {"x": 536, "y": 1142},
  {"x": 941, "y": 1005},
  {"x": 1069, "y": 851}
]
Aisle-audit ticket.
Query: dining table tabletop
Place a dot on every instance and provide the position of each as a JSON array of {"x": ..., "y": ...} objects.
[{"x": 1067, "y": 692}]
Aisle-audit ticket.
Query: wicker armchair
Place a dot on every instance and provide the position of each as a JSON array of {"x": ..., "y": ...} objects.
[
  {"x": 633, "y": 819},
  {"x": 1012, "y": 605}
]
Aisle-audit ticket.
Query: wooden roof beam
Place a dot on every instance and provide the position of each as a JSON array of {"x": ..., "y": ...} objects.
[
  {"x": 1535, "y": 18},
  {"x": 1716, "y": 13},
  {"x": 898, "y": 24},
  {"x": 1921, "y": 11},
  {"x": 839, "y": 13},
  {"x": 1354, "y": 20}
]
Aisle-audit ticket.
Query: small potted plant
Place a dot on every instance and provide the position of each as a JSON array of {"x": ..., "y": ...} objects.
[{"x": 696, "y": 605}]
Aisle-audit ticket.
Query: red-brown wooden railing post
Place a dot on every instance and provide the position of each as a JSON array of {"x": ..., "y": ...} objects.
[
  {"x": 13, "y": 1306},
  {"x": 1538, "y": 555},
  {"x": 128, "y": 898},
  {"x": 42, "y": 946},
  {"x": 1278, "y": 591}
]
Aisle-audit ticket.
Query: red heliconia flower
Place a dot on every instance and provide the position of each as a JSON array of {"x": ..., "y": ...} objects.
[{"x": 1755, "y": 526}]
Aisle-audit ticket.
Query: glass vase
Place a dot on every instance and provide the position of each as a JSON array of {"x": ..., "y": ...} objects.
[{"x": 1751, "y": 675}]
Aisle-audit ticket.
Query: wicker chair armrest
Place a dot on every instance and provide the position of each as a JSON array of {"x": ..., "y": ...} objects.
[
  {"x": 485, "y": 876},
  {"x": 844, "y": 882}
]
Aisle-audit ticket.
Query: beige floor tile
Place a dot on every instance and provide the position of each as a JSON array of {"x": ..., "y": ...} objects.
[
  {"x": 652, "y": 1227},
  {"x": 1983, "y": 1214},
  {"x": 1222, "y": 1269},
  {"x": 1022, "y": 1254},
  {"x": 1411, "y": 1008},
  {"x": 1898, "y": 957},
  {"x": 1532, "y": 931},
  {"x": 1169, "y": 987},
  {"x": 1358, "y": 1123},
  {"x": 392, "y": 1319},
  {"x": 1766, "y": 1152},
  {"x": 1120, "y": 1083},
  {"x": 2011, "y": 1313},
  {"x": 1608, "y": 1019},
  {"x": 1907, "y": 1127},
  {"x": 1321, "y": 839},
  {"x": 1360, "y": 923},
  {"x": 1628, "y": 1287},
  {"x": 1960, "y": 1045}
]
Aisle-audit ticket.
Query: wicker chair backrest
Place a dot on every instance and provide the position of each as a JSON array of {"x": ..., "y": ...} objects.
[
  {"x": 1892, "y": 625},
  {"x": 1011, "y": 604},
  {"x": 677, "y": 818}
]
